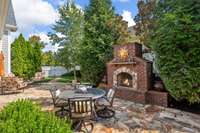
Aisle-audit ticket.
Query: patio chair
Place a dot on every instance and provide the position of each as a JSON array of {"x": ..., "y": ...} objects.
[
  {"x": 105, "y": 104},
  {"x": 59, "y": 103},
  {"x": 81, "y": 111}
]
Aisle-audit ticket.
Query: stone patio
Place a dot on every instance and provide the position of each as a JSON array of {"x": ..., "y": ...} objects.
[{"x": 130, "y": 117}]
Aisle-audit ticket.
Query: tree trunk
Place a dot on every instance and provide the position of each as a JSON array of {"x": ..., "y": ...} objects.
[{"x": 74, "y": 69}]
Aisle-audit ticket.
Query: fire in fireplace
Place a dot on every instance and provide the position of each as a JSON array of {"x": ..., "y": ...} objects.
[{"x": 124, "y": 80}]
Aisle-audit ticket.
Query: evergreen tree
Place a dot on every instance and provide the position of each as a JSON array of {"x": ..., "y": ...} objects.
[
  {"x": 99, "y": 37},
  {"x": 144, "y": 19},
  {"x": 17, "y": 56},
  {"x": 25, "y": 60},
  {"x": 120, "y": 30},
  {"x": 175, "y": 39},
  {"x": 37, "y": 49},
  {"x": 28, "y": 55}
]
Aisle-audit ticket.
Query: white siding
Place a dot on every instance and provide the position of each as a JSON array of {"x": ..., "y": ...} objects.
[
  {"x": 0, "y": 45},
  {"x": 6, "y": 52}
]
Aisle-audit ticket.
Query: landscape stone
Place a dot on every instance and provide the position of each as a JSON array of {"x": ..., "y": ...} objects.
[{"x": 130, "y": 117}]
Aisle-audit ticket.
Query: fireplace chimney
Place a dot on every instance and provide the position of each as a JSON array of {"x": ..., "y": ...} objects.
[{"x": 130, "y": 50}]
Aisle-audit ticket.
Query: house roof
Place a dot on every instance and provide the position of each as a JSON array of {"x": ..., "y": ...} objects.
[
  {"x": 3, "y": 13},
  {"x": 10, "y": 20}
]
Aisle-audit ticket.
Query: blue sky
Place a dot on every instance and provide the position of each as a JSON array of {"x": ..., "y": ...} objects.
[
  {"x": 36, "y": 17},
  {"x": 120, "y": 5}
]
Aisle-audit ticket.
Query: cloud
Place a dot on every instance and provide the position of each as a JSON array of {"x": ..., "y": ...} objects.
[
  {"x": 79, "y": 7},
  {"x": 127, "y": 16},
  {"x": 50, "y": 47},
  {"x": 30, "y": 13},
  {"x": 12, "y": 36},
  {"x": 43, "y": 36}
]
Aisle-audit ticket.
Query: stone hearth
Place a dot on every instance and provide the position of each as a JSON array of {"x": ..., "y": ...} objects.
[{"x": 124, "y": 70}]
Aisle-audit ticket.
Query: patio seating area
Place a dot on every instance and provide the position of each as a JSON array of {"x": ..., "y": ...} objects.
[{"x": 130, "y": 117}]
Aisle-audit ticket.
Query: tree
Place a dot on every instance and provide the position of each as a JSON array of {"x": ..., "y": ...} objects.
[
  {"x": 175, "y": 40},
  {"x": 25, "y": 57},
  {"x": 28, "y": 55},
  {"x": 37, "y": 49},
  {"x": 144, "y": 19},
  {"x": 17, "y": 59},
  {"x": 70, "y": 29},
  {"x": 21, "y": 56},
  {"x": 99, "y": 37},
  {"x": 120, "y": 31},
  {"x": 49, "y": 59}
]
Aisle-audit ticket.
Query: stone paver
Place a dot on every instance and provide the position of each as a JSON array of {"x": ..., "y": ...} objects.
[{"x": 130, "y": 117}]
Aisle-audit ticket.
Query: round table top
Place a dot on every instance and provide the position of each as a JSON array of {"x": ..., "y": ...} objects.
[{"x": 94, "y": 93}]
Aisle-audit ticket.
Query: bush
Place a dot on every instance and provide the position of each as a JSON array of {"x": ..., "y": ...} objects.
[
  {"x": 175, "y": 41},
  {"x": 23, "y": 116}
]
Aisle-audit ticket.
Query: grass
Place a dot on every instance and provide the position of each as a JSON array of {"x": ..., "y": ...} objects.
[
  {"x": 66, "y": 78},
  {"x": 46, "y": 80}
]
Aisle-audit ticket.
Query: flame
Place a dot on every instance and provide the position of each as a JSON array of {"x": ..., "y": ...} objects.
[{"x": 126, "y": 82}]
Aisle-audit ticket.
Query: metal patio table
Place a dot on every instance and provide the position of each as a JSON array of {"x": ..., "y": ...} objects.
[{"x": 94, "y": 93}]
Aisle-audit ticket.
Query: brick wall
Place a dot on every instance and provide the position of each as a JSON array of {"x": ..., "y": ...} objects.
[
  {"x": 131, "y": 95},
  {"x": 157, "y": 98}
]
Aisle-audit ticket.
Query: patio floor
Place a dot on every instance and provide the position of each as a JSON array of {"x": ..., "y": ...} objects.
[{"x": 131, "y": 117}]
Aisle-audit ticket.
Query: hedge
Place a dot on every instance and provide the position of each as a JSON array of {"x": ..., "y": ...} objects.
[{"x": 24, "y": 116}]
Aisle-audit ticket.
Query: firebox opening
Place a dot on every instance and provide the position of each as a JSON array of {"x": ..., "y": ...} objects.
[{"x": 124, "y": 80}]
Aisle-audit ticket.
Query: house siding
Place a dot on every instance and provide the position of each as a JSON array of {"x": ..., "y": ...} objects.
[
  {"x": 1, "y": 44},
  {"x": 6, "y": 52},
  {"x": 7, "y": 25}
]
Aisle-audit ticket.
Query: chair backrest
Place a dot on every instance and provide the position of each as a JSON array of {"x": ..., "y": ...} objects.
[
  {"x": 54, "y": 93},
  {"x": 80, "y": 107},
  {"x": 111, "y": 95}
]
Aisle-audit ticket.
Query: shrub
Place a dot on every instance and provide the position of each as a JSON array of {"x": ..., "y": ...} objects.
[
  {"x": 175, "y": 41},
  {"x": 23, "y": 116}
]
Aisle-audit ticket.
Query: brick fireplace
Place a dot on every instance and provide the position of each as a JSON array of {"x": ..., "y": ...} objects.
[{"x": 129, "y": 72}]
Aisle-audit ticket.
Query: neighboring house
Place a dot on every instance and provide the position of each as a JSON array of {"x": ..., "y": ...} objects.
[
  {"x": 7, "y": 25},
  {"x": 51, "y": 71}
]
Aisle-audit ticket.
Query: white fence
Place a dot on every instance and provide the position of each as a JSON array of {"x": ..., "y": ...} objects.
[{"x": 50, "y": 71}]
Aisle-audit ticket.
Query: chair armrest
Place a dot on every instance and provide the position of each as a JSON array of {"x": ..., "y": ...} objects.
[
  {"x": 106, "y": 99},
  {"x": 61, "y": 99}
]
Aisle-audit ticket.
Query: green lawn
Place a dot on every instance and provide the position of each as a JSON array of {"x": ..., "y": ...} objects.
[
  {"x": 65, "y": 78},
  {"x": 46, "y": 80}
]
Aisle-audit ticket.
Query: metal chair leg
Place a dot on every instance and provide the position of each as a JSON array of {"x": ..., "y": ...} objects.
[
  {"x": 106, "y": 113},
  {"x": 85, "y": 126},
  {"x": 62, "y": 110},
  {"x": 78, "y": 126}
]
